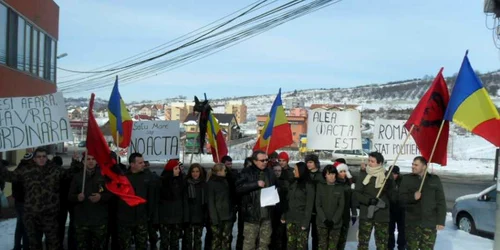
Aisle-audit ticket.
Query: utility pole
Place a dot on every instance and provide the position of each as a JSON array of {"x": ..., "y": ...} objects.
[
  {"x": 493, "y": 7},
  {"x": 497, "y": 219}
]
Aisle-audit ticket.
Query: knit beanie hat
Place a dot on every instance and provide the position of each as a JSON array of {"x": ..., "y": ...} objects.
[
  {"x": 284, "y": 156},
  {"x": 171, "y": 164},
  {"x": 28, "y": 156},
  {"x": 344, "y": 167}
]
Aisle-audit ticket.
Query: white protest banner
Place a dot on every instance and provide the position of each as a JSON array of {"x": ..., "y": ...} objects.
[
  {"x": 156, "y": 140},
  {"x": 331, "y": 130},
  {"x": 27, "y": 122},
  {"x": 388, "y": 137}
]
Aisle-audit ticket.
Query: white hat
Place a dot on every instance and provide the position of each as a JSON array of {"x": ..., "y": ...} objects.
[{"x": 344, "y": 167}]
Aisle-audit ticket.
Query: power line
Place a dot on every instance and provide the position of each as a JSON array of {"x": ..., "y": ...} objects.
[
  {"x": 196, "y": 40},
  {"x": 206, "y": 50},
  {"x": 65, "y": 84}
]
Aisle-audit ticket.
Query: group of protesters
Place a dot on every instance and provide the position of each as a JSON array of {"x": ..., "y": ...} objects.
[{"x": 181, "y": 204}]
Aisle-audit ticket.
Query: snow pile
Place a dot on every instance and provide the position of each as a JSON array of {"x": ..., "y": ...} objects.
[{"x": 449, "y": 238}]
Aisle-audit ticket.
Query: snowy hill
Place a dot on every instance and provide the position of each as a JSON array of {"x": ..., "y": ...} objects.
[{"x": 397, "y": 97}]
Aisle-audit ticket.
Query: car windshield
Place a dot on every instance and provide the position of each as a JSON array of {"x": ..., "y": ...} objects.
[{"x": 486, "y": 191}]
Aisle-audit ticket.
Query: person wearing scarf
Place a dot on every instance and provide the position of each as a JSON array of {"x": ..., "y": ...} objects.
[
  {"x": 367, "y": 187},
  {"x": 194, "y": 207},
  {"x": 171, "y": 205}
]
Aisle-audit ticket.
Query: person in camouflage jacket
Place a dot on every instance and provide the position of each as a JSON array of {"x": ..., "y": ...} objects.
[{"x": 41, "y": 181}]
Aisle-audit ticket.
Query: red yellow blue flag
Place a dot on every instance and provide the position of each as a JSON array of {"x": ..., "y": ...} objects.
[
  {"x": 277, "y": 132},
  {"x": 119, "y": 118},
  {"x": 470, "y": 105}
]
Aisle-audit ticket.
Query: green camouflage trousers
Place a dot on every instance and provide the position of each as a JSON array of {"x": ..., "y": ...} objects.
[
  {"x": 222, "y": 235},
  {"x": 297, "y": 238},
  {"x": 91, "y": 237},
  {"x": 191, "y": 239},
  {"x": 344, "y": 230},
  {"x": 170, "y": 235},
  {"x": 139, "y": 232},
  {"x": 365, "y": 231},
  {"x": 152, "y": 233},
  {"x": 328, "y": 238},
  {"x": 37, "y": 225},
  {"x": 252, "y": 232},
  {"x": 422, "y": 238}
]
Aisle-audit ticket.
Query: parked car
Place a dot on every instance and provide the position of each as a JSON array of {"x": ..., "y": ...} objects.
[
  {"x": 352, "y": 157},
  {"x": 475, "y": 213},
  {"x": 82, "y": 144}
]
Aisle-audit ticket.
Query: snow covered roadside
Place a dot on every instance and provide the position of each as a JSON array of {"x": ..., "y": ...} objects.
[
  {"x": 472, "y": 167},
  {"x": 449, "y": 238}
]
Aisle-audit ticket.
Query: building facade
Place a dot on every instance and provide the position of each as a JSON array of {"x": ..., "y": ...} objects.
[
  {"x": 28, "y": 47},
  {"x": 298, "y": 126},
  {"x": 238, "y": 108},
  {"x": 29, "y": 30},
  {"x": 180, "y": 110}
]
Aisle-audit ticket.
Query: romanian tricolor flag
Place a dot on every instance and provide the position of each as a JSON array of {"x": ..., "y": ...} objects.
[
  {"x": 116, "y": 182},
  {"x": 277, "y": 132},
  {"x": 470, "y": 105},
  {"x": 216, "y": 139},
  {"x": 119, "y": 118}
]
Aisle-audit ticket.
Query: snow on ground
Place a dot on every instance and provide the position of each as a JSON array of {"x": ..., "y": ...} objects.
[{"x": 448, "y": 239}]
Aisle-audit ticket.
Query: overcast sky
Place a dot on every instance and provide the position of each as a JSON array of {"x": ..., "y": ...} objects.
[{"x": 347, "y": 44}]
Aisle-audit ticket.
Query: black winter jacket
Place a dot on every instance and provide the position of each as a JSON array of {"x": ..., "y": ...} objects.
[
  {"x": 248, "y": 188},
  {"x": 220, "y": 206}
]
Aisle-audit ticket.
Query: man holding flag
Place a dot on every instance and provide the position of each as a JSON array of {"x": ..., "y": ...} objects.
[{"x": 423, "y": 199}]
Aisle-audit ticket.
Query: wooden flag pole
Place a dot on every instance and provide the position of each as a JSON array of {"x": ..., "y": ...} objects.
[
  {"x": 184, "y": 150},
  {"x": 268, "y": 144},
  {"x": 217, "y": 153},
  {"x": 395, "y": 160},
  {"x": 216, "y": 146},
  {"x": 432, "y": 155},
  {"x": 84, "y": 169},
  {"x": 117, "y": 147}
]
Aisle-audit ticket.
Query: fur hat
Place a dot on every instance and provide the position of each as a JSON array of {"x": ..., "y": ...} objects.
[
  {"x": 284, "y": 156},
  {"x": 344, "y": 167},
  {"x": 314, "y": 158},
  {"x": 171, "y": 164}
]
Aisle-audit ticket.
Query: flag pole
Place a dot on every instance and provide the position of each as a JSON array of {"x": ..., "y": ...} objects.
[
  {"x": 84, "y": 169},
  {"x": 395, "y": 160},
  {"x": 217, "y": 153},
  {"x": 268, "y": 144},
  {"x": 117, "y": 147},
  {"x": 432, "y": 155},
  {"x": 216, "y": 146}
]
